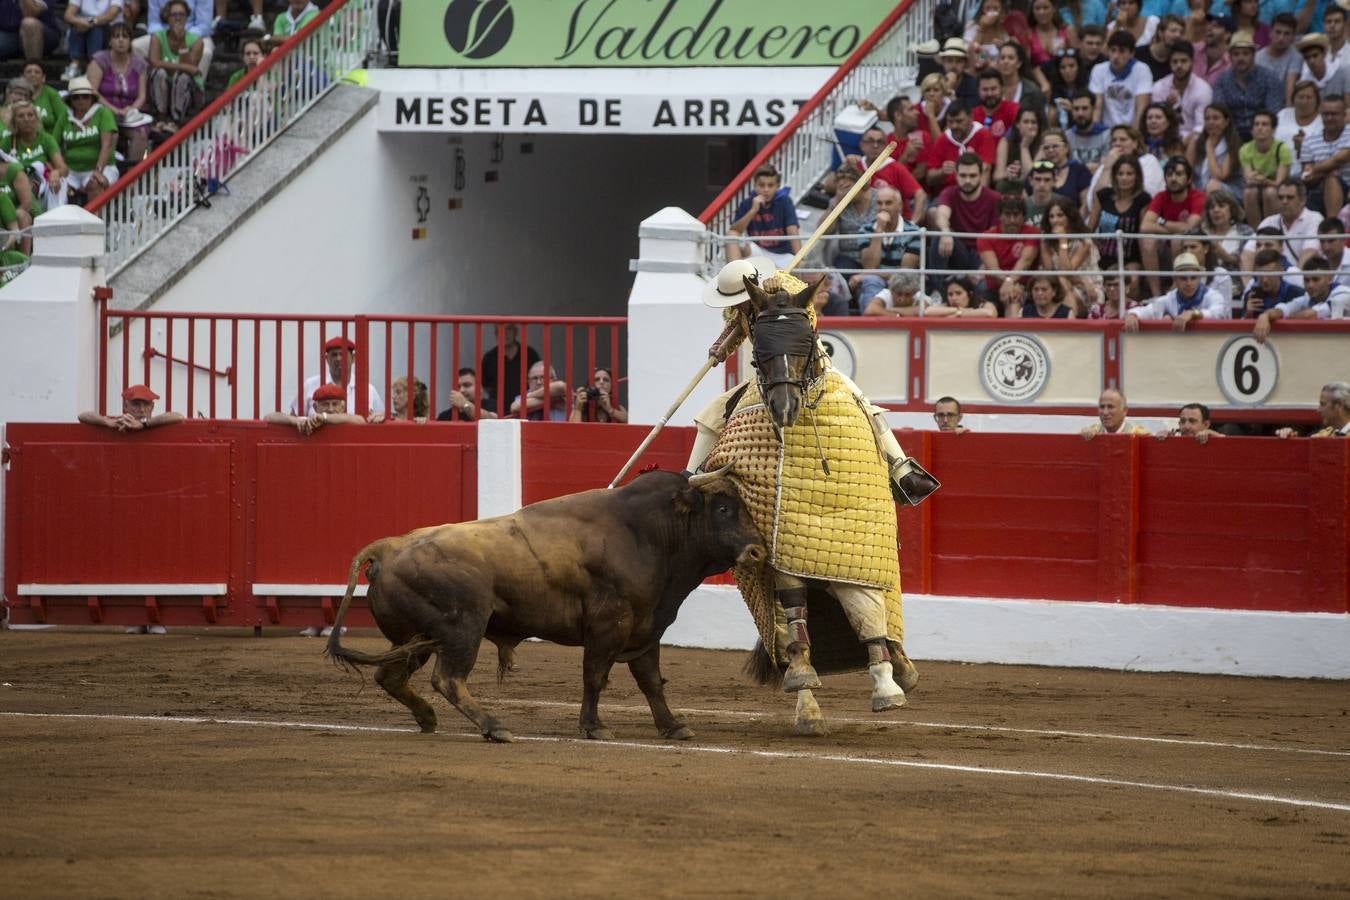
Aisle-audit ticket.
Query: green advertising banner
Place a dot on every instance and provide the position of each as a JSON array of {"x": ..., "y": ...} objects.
[{"x": 635, "y": 33}]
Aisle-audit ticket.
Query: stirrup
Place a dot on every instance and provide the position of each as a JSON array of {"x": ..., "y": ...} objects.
[{"x": 911, "y": 483}]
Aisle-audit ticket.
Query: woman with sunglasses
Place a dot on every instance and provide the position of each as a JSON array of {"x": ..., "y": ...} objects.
[
  {"x": 1067, "y": 78},
  {"x": 176, "y": 87},
  {"x": 1071, "y": 176}
]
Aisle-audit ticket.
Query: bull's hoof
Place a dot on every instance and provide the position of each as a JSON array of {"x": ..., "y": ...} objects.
[
  {"x": 599, "y": 734},
  {"x": 680, "y": 733},
  {"x": 499, "y": 736},
  {"x": 882, "y": 702},
  {"x": 810, "y": 728},
  {"x": 800, "y": 677},
  {"x": 428, "y": 727}
]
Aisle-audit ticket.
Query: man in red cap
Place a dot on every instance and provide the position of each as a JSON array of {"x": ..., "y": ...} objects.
[
  {"x": 138, "y": 412},
  {"x": 337, "y": 355},
  {"x": 329, "y": 405}
]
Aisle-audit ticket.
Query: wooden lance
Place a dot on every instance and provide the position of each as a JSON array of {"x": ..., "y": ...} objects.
[{"x": 822, "y": 228}]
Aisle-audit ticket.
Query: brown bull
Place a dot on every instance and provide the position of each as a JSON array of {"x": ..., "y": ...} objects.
[{"x": 605, "y": 569}]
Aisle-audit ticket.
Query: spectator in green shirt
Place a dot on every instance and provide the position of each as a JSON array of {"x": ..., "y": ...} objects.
[
  {"x": 296, "y": 15},
  {"x": 252, "y": 52},
  {"x": 38, "y": 153},
  {"x": 176, "y": 85},
  {"x": 51, "y": 109},
  {"x": 15, "y": 190},
  {"x": 89, "y": 138},
  {"x": 1266, "y": 161}
]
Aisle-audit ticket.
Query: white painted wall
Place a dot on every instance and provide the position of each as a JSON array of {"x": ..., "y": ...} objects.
[{"x": 553, "y": 235}]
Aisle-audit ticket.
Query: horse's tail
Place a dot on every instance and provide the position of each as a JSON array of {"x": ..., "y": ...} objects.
[
  {"x": 350, "y": 659},
  {"x": 761, "y": 667}
]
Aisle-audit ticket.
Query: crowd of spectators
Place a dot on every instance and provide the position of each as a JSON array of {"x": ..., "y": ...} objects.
[
  {"x": 103, "y": 81},
  {"x": 1192, "y": 126}
]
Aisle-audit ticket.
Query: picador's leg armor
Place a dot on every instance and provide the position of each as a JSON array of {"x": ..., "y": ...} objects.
[{"x": 800, "y": 674}]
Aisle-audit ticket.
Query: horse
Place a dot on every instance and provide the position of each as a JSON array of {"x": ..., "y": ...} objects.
[{"x": 855, "y": 602}]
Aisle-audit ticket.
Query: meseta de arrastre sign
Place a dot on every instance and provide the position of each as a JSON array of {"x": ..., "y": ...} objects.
[{"x": 598, "y": 112}]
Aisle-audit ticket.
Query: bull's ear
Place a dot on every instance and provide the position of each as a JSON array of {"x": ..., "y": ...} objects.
[
  {"x": 688, "y": 500},
  {"x": 757, "y": 295},
  {"x": 803, "y": 298}
]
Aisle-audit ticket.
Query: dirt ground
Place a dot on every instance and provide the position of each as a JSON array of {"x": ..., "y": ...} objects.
[{"x": 995, "y": 781}]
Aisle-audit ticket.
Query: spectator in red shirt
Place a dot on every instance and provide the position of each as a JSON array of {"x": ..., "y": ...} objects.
[
  {"x": 963, "y": 136},
  {"x": 1173, "y": 211},
  {"x": 913, "y": 144},
  {"x": 994, "y": 113},
  {"x": 1008, "y": 255},
  {"x": 892, "y": 173},
  {"x": 970, "y": 207}
]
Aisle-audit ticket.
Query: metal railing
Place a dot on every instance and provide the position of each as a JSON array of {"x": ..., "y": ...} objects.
[
  {"x": 1118, "y": 273},
  {"x": 163, "y": 188},
  {"x": 243, "y": 365},
  {"x": 881, "y": 65}
]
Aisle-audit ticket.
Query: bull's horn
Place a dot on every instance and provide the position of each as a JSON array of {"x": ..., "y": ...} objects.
[{"x": 704, "y": 477}]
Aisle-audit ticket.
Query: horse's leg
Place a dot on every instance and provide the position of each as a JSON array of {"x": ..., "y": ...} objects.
[
  {"x": 808, "y": 722},
  {"x": 800, "y": 674},
  {"x": 906, "y": 674},
  {"x": 866, "y": 611}
]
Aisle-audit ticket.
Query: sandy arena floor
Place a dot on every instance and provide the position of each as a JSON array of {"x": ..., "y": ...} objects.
[{"x": 222, "y": 765}]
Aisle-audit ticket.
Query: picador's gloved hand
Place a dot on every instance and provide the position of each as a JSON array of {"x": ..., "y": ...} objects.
[
  {"x": 730, "y": 338},
  {"x": 910, "y": 484}
]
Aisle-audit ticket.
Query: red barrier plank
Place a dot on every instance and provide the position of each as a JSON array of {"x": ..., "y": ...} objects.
[
  {"x": 994, "y": 576},
  {"x": 1328, "y": 524},
  {"x": 563, "y": 458}
]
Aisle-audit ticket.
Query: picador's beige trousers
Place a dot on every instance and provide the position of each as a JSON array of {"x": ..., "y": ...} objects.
[{"x": 864, "y": 606}]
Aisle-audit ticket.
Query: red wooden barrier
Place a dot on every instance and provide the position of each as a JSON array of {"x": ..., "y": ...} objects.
[
  {"x": 1240, "y": 523},
  {"x": 201, "y": 503}
]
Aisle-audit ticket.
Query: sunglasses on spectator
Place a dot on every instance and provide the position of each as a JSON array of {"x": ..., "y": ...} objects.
[
  {"x": 1067, "y": 51},
  {"x": 1043, "y": 165}
]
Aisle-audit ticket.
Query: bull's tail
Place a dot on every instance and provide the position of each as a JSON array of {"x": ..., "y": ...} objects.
[
  {"x": 350, "y": 659},
  {"x": 761, "y": 667}
]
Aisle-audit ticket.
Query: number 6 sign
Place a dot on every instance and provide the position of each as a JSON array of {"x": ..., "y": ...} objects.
[{"x": 1247, "y": 371}]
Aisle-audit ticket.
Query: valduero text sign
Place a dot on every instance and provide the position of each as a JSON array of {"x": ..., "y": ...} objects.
[
  {"x": 566, "y": 113},
  {"x": 589, "y": 33}
]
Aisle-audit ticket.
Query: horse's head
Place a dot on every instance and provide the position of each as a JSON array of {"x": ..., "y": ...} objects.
[{"x": 784, "y": 342}]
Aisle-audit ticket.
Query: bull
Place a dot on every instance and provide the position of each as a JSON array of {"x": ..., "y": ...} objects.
[{"x": 606, "y": 570}]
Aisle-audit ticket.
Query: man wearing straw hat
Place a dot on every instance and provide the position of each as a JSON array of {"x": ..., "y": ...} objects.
[{"x": 865, "y": 579}]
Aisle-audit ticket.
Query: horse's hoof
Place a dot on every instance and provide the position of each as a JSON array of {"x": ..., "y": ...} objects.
[
  {"x": 599, "y": 734},
  {"x": 884, "y": 702},
  {"x": 906, "y": 675},
  {"x": 499, "y": 736},
  {"x": 680, "y": 733},
  {"x": 800, "y": 677},
  {"x": 810, "y": 728}
]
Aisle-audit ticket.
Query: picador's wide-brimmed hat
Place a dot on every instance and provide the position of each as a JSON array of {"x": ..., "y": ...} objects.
[{"x": 728, "y": 288}]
